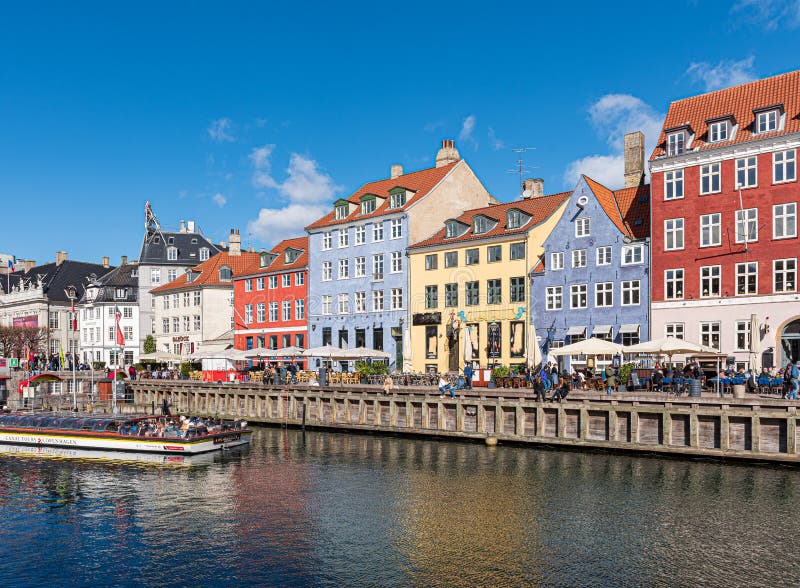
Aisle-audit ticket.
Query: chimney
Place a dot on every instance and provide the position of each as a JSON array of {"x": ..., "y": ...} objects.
[
  {"x": 533, "y": 188},
  {"x": 447, "y": 154},
  {"x": 634, "y": 159},
  {"x": 236, "y": 243},
  {"x": 105, "y": 261},
  {"x": 183, "y": 226},
  {"x": 397, "y": 170},
  {"x": 251, "y": 249},
  {"x": 190, "y": 227},
  {"x": 61, "y": 257},
  {"x": 124, "y": 260},
  {"x": 26, "y": 265}
]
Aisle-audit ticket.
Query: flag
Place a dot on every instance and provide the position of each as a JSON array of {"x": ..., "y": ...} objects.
[
  {"x": 12, "y": 264},
  {"x": 74, "y": 319},
  {"x": 61, "y": 355},
  {"x": 118, "y": 316}
]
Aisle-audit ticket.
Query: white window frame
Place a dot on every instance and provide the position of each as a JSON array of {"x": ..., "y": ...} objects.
[
  {"x": 711, "y": 229},
  {"x": 557, "y": 260},
  {"x": 583, "y": 227},
  {"x": 747, "y": 170},
  {"x": 368, "y": 206},
  {"x": 554, "y": 298},
  {"x": 286, "y": 310},
  {"x": 396, "y": 263},
  {"x": 742, "y": 338},
  {"x": 676, "y": 143},
  {"x": 344, "y": 269},
  {"x": 260, "y": 283},
  {"x": 343, "y": 303},
  {"x": 377, "y": 232},
  {"x": 396, "y": 228},
  {"x": 377, "y": 301},
  {"x": 673, "y": 185},
  {"x": 360, "y": 267},
  {"x": 341, "y": 211},
  {"x": 744, "y": 270},
  {"x": 707, "y": 331},
  {"x": 578, "y": 290},
  {"x": 299, "y": 309},
  {"x": 360, "y": 301},
  {"x": 360, "y": 234},
  {"x": 677, "y": 330},
  {"x": 273, "y": 281},
  {"x": 397, "y": 299},
  {"x": 603, "y": 255},
  {"x": 675, "y": 279},
  {"x": 327, "y": 240},
  {"x": 710, "y": 275},
  {"x": 674, "y": 231},
  {"x": 718, "y": 131},
  {"x": 767, "y": 121},
  {"x": 784, "y": 164},
  {"x": 749, "y": 217},
  {"x": 286, "y": 280},
  {"x": 344, "y": 238},
  {"x": 327, "y": 272},
  {"x": 326, "y": 304},
  {"x": 636, "y": 253},
  {"x": 710, "y": 175},
  {"x": 784, "y": 220},
  {"x": 299, "y": 279},
  {"x": 273, "y": 312},
  {"x": 779, "y": 268},
  {"x": 631, "y": 289},
  {"x": 579, "y": 258},
  {"x": 604, "y": 295},
  {"x": 261, "y": 312}
]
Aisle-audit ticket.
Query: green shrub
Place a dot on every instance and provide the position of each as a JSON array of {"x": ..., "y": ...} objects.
[{"x": 499, "y": 372}]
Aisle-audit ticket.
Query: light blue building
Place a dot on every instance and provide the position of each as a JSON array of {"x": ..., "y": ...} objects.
[
  {"x": 358, "y": 279},
  {"x": 593, "y": 278}
]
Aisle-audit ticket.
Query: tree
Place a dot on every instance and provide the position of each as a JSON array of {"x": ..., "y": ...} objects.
[
  {"x": 149, "y": 344},
  {"x": 32, "y": 337},
  {"x": 8, "y": 338}
]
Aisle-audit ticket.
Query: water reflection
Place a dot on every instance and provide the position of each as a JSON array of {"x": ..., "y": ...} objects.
[{"x": 335, "y": 510}]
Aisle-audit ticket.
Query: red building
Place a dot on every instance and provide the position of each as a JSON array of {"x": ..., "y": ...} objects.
[
  {"x": 270, "y": 298},
  {"x": 724, "y": 217}
]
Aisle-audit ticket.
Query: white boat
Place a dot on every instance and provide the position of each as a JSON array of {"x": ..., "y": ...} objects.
[
  {"x": 99, "y": 455},
  {"x": 149, "y": 434}
]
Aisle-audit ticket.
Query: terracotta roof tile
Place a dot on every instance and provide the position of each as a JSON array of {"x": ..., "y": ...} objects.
[
  {"x": 209, "y": 271},
  {"x": 539, "y": 209},
  {"x": 625, "y": 207},
  {"x": 279, "y": 264},
  {"x": 739, "y": 102},
  {"x": 420, "y": 182}
]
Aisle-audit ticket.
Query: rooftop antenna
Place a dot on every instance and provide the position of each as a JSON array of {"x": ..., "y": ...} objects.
[
  {"x": 521, "y": 168},
  {"x": 151, "y": 224}
]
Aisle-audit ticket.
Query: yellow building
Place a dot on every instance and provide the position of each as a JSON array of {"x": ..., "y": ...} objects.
[{"x": 470, "y": 284}]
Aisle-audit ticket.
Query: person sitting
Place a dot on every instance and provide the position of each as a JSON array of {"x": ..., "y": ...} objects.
[
  {"x": 562, "y": 391},
  {"x": 658, "y": 380},
  {"x": 751, "y": 384},
  {"x": 444, "y": 386}
]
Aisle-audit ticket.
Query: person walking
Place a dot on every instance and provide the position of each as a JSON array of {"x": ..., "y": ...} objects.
[
  {"x": 787, "y": 380},
  {"x": 468, "y": 376},
  {"x": 554, "y": 375},
  {"x": 538, "y": 389},
  {"x": 795, "y": 381},
  {"x": 611, "y": 379}
]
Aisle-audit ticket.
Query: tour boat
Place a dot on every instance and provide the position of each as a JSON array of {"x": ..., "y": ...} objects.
[
  {"x": 149, "y": 434},
  {"x": 102, "y": 456}
]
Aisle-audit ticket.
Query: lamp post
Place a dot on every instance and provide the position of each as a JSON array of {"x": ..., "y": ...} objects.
[{"x": 70, "y": 291}]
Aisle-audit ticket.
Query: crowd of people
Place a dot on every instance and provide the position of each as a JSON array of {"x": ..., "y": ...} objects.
[{"x": 179, "y": 428}]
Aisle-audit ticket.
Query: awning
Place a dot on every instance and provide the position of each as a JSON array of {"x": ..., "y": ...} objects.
[
  {"x": 601, "y": 330},
  {"x": 629, "y": 329},
  {"x": 573, "y": 331}
]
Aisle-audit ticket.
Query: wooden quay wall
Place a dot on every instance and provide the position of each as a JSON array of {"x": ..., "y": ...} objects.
[{"x": 762, "y": 429}]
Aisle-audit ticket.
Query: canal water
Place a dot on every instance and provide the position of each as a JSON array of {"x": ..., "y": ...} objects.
[{"x": 325, "y": 509}]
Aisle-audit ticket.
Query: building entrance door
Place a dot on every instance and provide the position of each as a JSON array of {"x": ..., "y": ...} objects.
[{"x": 790, "y": 342}]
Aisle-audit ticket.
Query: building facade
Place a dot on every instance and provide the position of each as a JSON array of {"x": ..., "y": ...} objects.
[
  {"x": 270, "y": 298},
  {"x": 592, "y": 278},
  {"x": 116, "y": 290},
  {"x": 358, "y": 279},
  {"x": 469, "y": 287},
  {"x": 725, "y": 197}
]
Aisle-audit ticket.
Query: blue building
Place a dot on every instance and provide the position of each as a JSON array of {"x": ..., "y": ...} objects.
[
  {"x": 358, "y": 279},
  {"x": 593, "y": 278}
]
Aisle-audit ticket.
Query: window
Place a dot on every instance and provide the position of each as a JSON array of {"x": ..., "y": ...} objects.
[
  {"x": 517, "y": 251},
  {"x": 631, "y": 290},
  {"x": 604, "y": 294},
  {"x": 494, "y": 253},
  {"x": 494, "y": 290},
  {"x": 360, "y": 302},
  {"x": 326, "y": 304},
  {"x": 632, "y": 254},
  {"x": 784, "y": 273},
  {"x": 327, "y": 239},
  {"x": 397, "y": 262},
  {"x": 155, "y": 275},
  {"x": 630, "y": 338},
  {"x": 299, "y": 309},
  {"x": 710, "y": 281},
  {"x": 432, "y": 261},
  {"x": 260, "y": 283},
  {"x": 582, "y": 227},
  {"x": 396, "y": 228},
  {"x": 674, "y": 330},
  {"x": 327, "y": 273},
  {"x": 176, "y": 326},
  {"x": 472, "y": 293},
  {"x": 127, "y": 311},
  {"x": 673, "y": 185},
  {"x": 518, "y": 289},
  {"x": 513, "y": 219},
  {"x": 604, "y": 255},
  {"x": 377, "y": 232},
  {"x": 164, "y": 306},
  {"x": 746, "y": 278},
  {"x": 673, "y": 284},
  {"x": 286, "y": 310},
  {"x": 709, "y": 334},
  {"x": 431, "y": 296},
  {"x": 273, "y": 310},
  {"x": 451, "y": 259},
  {"x": 480, "y": 224},
  {"x": 783, "y": 166},
  {"x": 196, "y": 321},
  {"x": 557, "y": 261},
  {"x": 784, "y": 220},
  {"x": 204, "y": 253},
  {"x": 710, "y": 229},
  {"x": 248, "y": 285},
  {"x": 377, "y": 267},
  {"x": 579, "y": 258},
  {"x": 300, "y": 340},
  {"x": 299, "y": 279},
  {"x": 742, "y": 335},
  {"x": 718, "y": 131},
  {"x": 367, "y": 206},
  {"x": 361, "y": 234},
  {"x": 578, "y": 296},
  {"x": 452, "y": 229},
  {"x": 248, "y": 314},
  {"x": 397, "y": 298},
  {"x": 225, "y": 274},
  {"x": 377, "y": 300},
  {"x": 52, "y": 319},
  {"x": 767, "y": 121},
  {"x": 344, "y": 269},
  {"x": 747, "y": 172},
  {"x": 273, "y": 341},
  {"x": 165, "y": 326},
  {"x": 286, "y": 280},
  {"x": 431, "y": 342},
  {"x": 341, "y": 211},
  {"x": 172, "y": 274},
  {"x": 472, "y": 256},
  {"x": 710, "y": 178},
  {"x": 676, "y": 143},
  {"x": 397, "y": 199},
  {"x": 673, "y": 234},
  {"x": 172, "y": 253},
  {"x": 554, "y": 298},
  {"x": 343, "y": 303},
  {"x": 451, "y": 294},
  {"x": 747, "y": 225},
  {"x": 261, "y": 312},
  {"x": 196, "y": 298},
  {"x": 344, "y": 238},
  {"x": 360, "y": 267}
]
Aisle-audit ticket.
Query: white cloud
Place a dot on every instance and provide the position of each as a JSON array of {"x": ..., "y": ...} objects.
[
  {"x": 220, "y": 130},
  {"x": 496, "y": 143},
  {"x": 275, "y": 224},
  {"x": 467, "y": 129},
  {"x": 767, "y": 14},
  {"x": 723, "y": 74},
  {"x": 612, "y": 116},
  {"x": 219, "y": 199},
  {"x": 262, "y": 166}
]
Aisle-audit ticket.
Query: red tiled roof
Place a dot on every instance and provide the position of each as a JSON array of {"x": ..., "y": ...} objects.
[
  {"x": 538, "y": 208},
  {"x": 419, "y": 182},
  {"x": 624, "y": 207},
  {"x": 739, "y": 102},
  {"x": 209, "y": 271},
  {"x": 539, "y": 267},
  {"x": 279, "y": 264}
]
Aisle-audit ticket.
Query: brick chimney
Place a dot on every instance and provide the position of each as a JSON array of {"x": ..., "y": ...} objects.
[
  {"x": 124, "y": 260},
  {"x": 534, "y": 187},
  {"x": 235, "y": 243},
  {"x": 397, "y": 171},
  {"x": 634, "y": 159},
  {"x": 26, "y": 265},
  {"x": 61, "y": 257},
  {"x": 105, "y": 261},
  {"x": 447, "y": 154}
]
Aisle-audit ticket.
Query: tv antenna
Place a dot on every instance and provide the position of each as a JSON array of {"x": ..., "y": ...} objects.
[{"x": 521, "y": 168}]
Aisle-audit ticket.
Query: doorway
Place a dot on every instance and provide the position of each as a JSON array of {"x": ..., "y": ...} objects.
[{"x": 790, "y": 342}]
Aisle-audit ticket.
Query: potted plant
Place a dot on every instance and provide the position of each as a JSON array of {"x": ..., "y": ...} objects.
[
  {"x": 624, "y": 375},
  {"x": 364, "y": 370},
  {"x": 498, "y": 372}
]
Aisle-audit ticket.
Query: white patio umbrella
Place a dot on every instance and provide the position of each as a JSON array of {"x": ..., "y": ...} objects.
[
  {"x": 534, "y": 353},
  {"x": 467, "y": 345},
  {"x": 668, "y": 346},
  {"x": 591, "y": 346},
  {"x": 160, "y": 356},
  {"x": 331, "y": 352},
  {"x": 258, "y": 352},
  {"x": 407, "y": 353},
  {"x": 231, "y": 354},
  {"x": 366, "y": 353}
]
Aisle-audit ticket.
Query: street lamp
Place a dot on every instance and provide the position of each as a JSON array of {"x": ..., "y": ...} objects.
[{"x": 71, "y": 293}]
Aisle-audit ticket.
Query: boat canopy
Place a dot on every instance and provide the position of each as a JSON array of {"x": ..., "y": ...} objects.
[{"x": 40, "y": 421}]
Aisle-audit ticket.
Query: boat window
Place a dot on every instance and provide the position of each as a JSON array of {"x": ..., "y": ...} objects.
[
  {"x": 26, "y": 421},
  {"x": 41, "y": 422}
]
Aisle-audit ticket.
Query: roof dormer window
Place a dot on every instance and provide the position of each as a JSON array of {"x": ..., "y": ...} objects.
[
  {"x": 718, "y": 131},
  {"x": 203, "y": 253},
  {"x": 341, "y": 211},
  {"x": 291, "y": 256},
  {"x": 171, "y": 240},
  {"x": 767, "y": 120},
  {"x": 190, "y": 276},
  {"x": 515, "y": 219},
  {"x": 397, "y": 199},
  {"x": 453, "y": 229},
  {"x": 172, "y": 253},
  {"x": 194, "y": 241},
  {"x": 225, "y": 274},
  {"x": 481, "y": 224},
  {"x": 676, "y": 142},
  {"x": 367, "y": 205}
]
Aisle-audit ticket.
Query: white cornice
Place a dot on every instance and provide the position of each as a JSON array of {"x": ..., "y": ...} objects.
[{"x": 730, "y": 301}]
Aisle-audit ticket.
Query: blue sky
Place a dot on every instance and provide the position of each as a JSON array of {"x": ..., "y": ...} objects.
[{"x": 258, "y": 115}]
